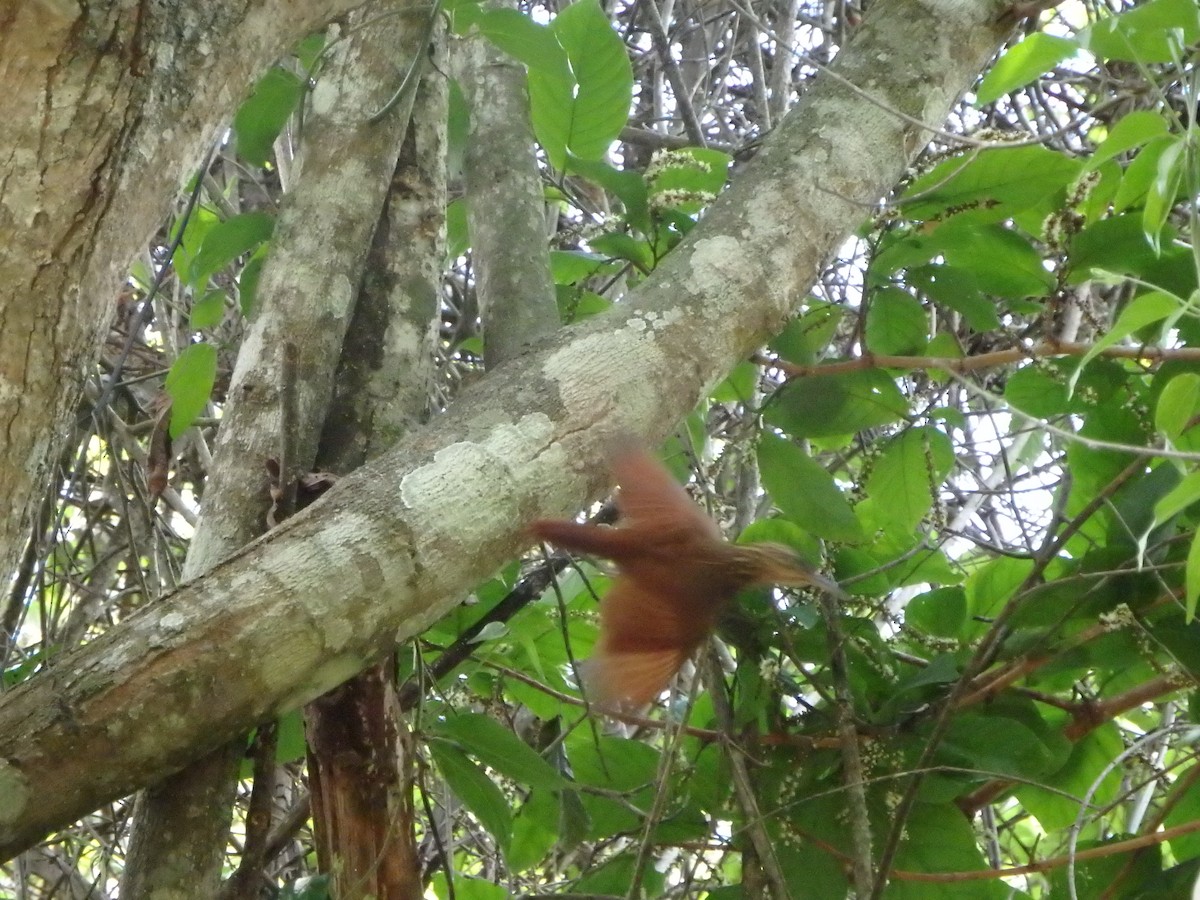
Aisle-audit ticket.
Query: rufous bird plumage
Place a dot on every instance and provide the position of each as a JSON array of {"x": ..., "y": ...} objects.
[{"x": 676, "y": 574}]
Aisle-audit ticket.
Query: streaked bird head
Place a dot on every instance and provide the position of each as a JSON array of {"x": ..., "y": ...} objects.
[{"x": 768, "y": 563}]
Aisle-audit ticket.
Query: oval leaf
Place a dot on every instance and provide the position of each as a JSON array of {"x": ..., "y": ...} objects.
[
  {"x": 189, "y": 385},
  {"x": 826, "y": 405},
  {"x": 896, "y": 323},
  {"x": 228, "y": 240},
  {"x": 497, "y": 747},
  {"x": 478, "y": 793},
  {"x": 806, "y": 492},
  {"x": 1177, "y": 404},
  {"x": 1023, "y": 63},
  {"x": 908, "y": 475}
]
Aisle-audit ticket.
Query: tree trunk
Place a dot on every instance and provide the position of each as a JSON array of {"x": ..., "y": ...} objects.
[{"x": 106, "y": 106}]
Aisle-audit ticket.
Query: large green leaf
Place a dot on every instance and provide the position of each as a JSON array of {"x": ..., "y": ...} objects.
[
  {"x": 805, "y": 492},
  {"x": 824, "y": 405},
  {"x": 497, "y": 747},
  {"x": 226, "y": 241},
  {"x": 189, "y": 384},
  {"x": 260, "y": 119},
  {"x": 1001, "y": 261},
  {"x": 897, "y": 323},
  {"x": 475, "y": 789},
  {"x": 1132, "y": 131},
  {"x": 908, "y": 476},
  {"x": 525, "y": 40},
  {"x": 1022, "y": 63},
  {"x": 1154, "y": 32},
  {"x": 584, "y": 110},
  {"x": 956, "y": 288},
  {"x": 990, "y": 186}
]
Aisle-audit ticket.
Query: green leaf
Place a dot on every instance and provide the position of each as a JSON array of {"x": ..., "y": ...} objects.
[
  {"x": 228, "y": 240},
  {"x": 472, "y": 786},
  {"x": 466, "y": 888},
  {"x": 497, "y": 747},
  {"x": 458, "y": 234},
  {"x": 535, "y": 831},
  {"x": 937, "y": 840},
  {"x": 1160, "y": 198},
  {"x": 825, "y": 405},
  {"x": 195, "y": 229},
  {"x": 896, "y": 323},
  {"x": 1193, "y": 578},
  {"x": 990, "y": 186},
  {"x": 628, "y": 187},
  {"x": 573, "y": 266},
  {"x": 1177, "y": 404},
  {"x": 1178, "y": 498},
  {"x": 261, "y": 118},
  {"x": 622, "y": 246},
  {"x": 693, "y": 171},
  {"x": 1001, "y": 261},
  {"x": 208, "y": 311},
  {"x": 583, "y": 111},
  {"x": 1134, "y": 130},
  {"x": 1022, "y": 63},
  {"x": 941, "y": 612},
  {"x": 1141, "y": 311},
  {"x": 908, "y": 475},
  {"x": 1140, "y": 174},
  {"x": 248, "y": 280},
  {"x": 1154, "y": 32},
  {"x": 999, "y": 745},
  {"x": 291, "y": 743},
  {"x": 1035, "y": 392},
  {"x": 738, "y": 386},
  {"x": 805, "y": 492},
  {"x": 957, "y": 289},
  {"x": 530, "y": 43},
  {"x": 806, "y": 337},
  {"x": 189, "y": 384},
  {"x": 993, "y": 584}
]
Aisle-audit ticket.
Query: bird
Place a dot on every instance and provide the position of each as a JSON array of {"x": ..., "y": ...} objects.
[{"x": 676, "y": 574}]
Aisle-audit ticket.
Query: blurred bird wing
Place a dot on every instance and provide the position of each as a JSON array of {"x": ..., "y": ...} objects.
[
  {"x": 625, "y": 681},
  {"x": 616, "y": 544},
  {"x": 650, "y": 498},
  {"x": 643, "y": 642}
]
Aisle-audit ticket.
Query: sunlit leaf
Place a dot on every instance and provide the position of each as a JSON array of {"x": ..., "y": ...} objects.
[
  {"x": 189, "y": 384},
  {"x": 1177, "y": 404},
  {"x": 908, "y": 475},
  {"x": 261, "y": 118},
  {"x": 227, "y": 240},
  {"x": 1022, "y": 63}
]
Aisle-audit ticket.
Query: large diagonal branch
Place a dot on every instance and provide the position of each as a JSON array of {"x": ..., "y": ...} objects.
[{"x": 395, "y": 546}]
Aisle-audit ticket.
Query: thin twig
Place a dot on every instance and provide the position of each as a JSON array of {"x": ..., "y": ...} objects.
[
  {"x": 743, "y": 787},
  {"x": 852, "y": 769}
]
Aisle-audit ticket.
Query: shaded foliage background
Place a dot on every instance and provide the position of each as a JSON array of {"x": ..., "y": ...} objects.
[{"x": 981, "y": 422}]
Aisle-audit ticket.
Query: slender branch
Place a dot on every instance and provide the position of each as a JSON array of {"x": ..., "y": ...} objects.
[
  {"x": 743, "y": 787},
  {"x": 964, "y": 364},
  {"x": 852, "y": 774}
]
